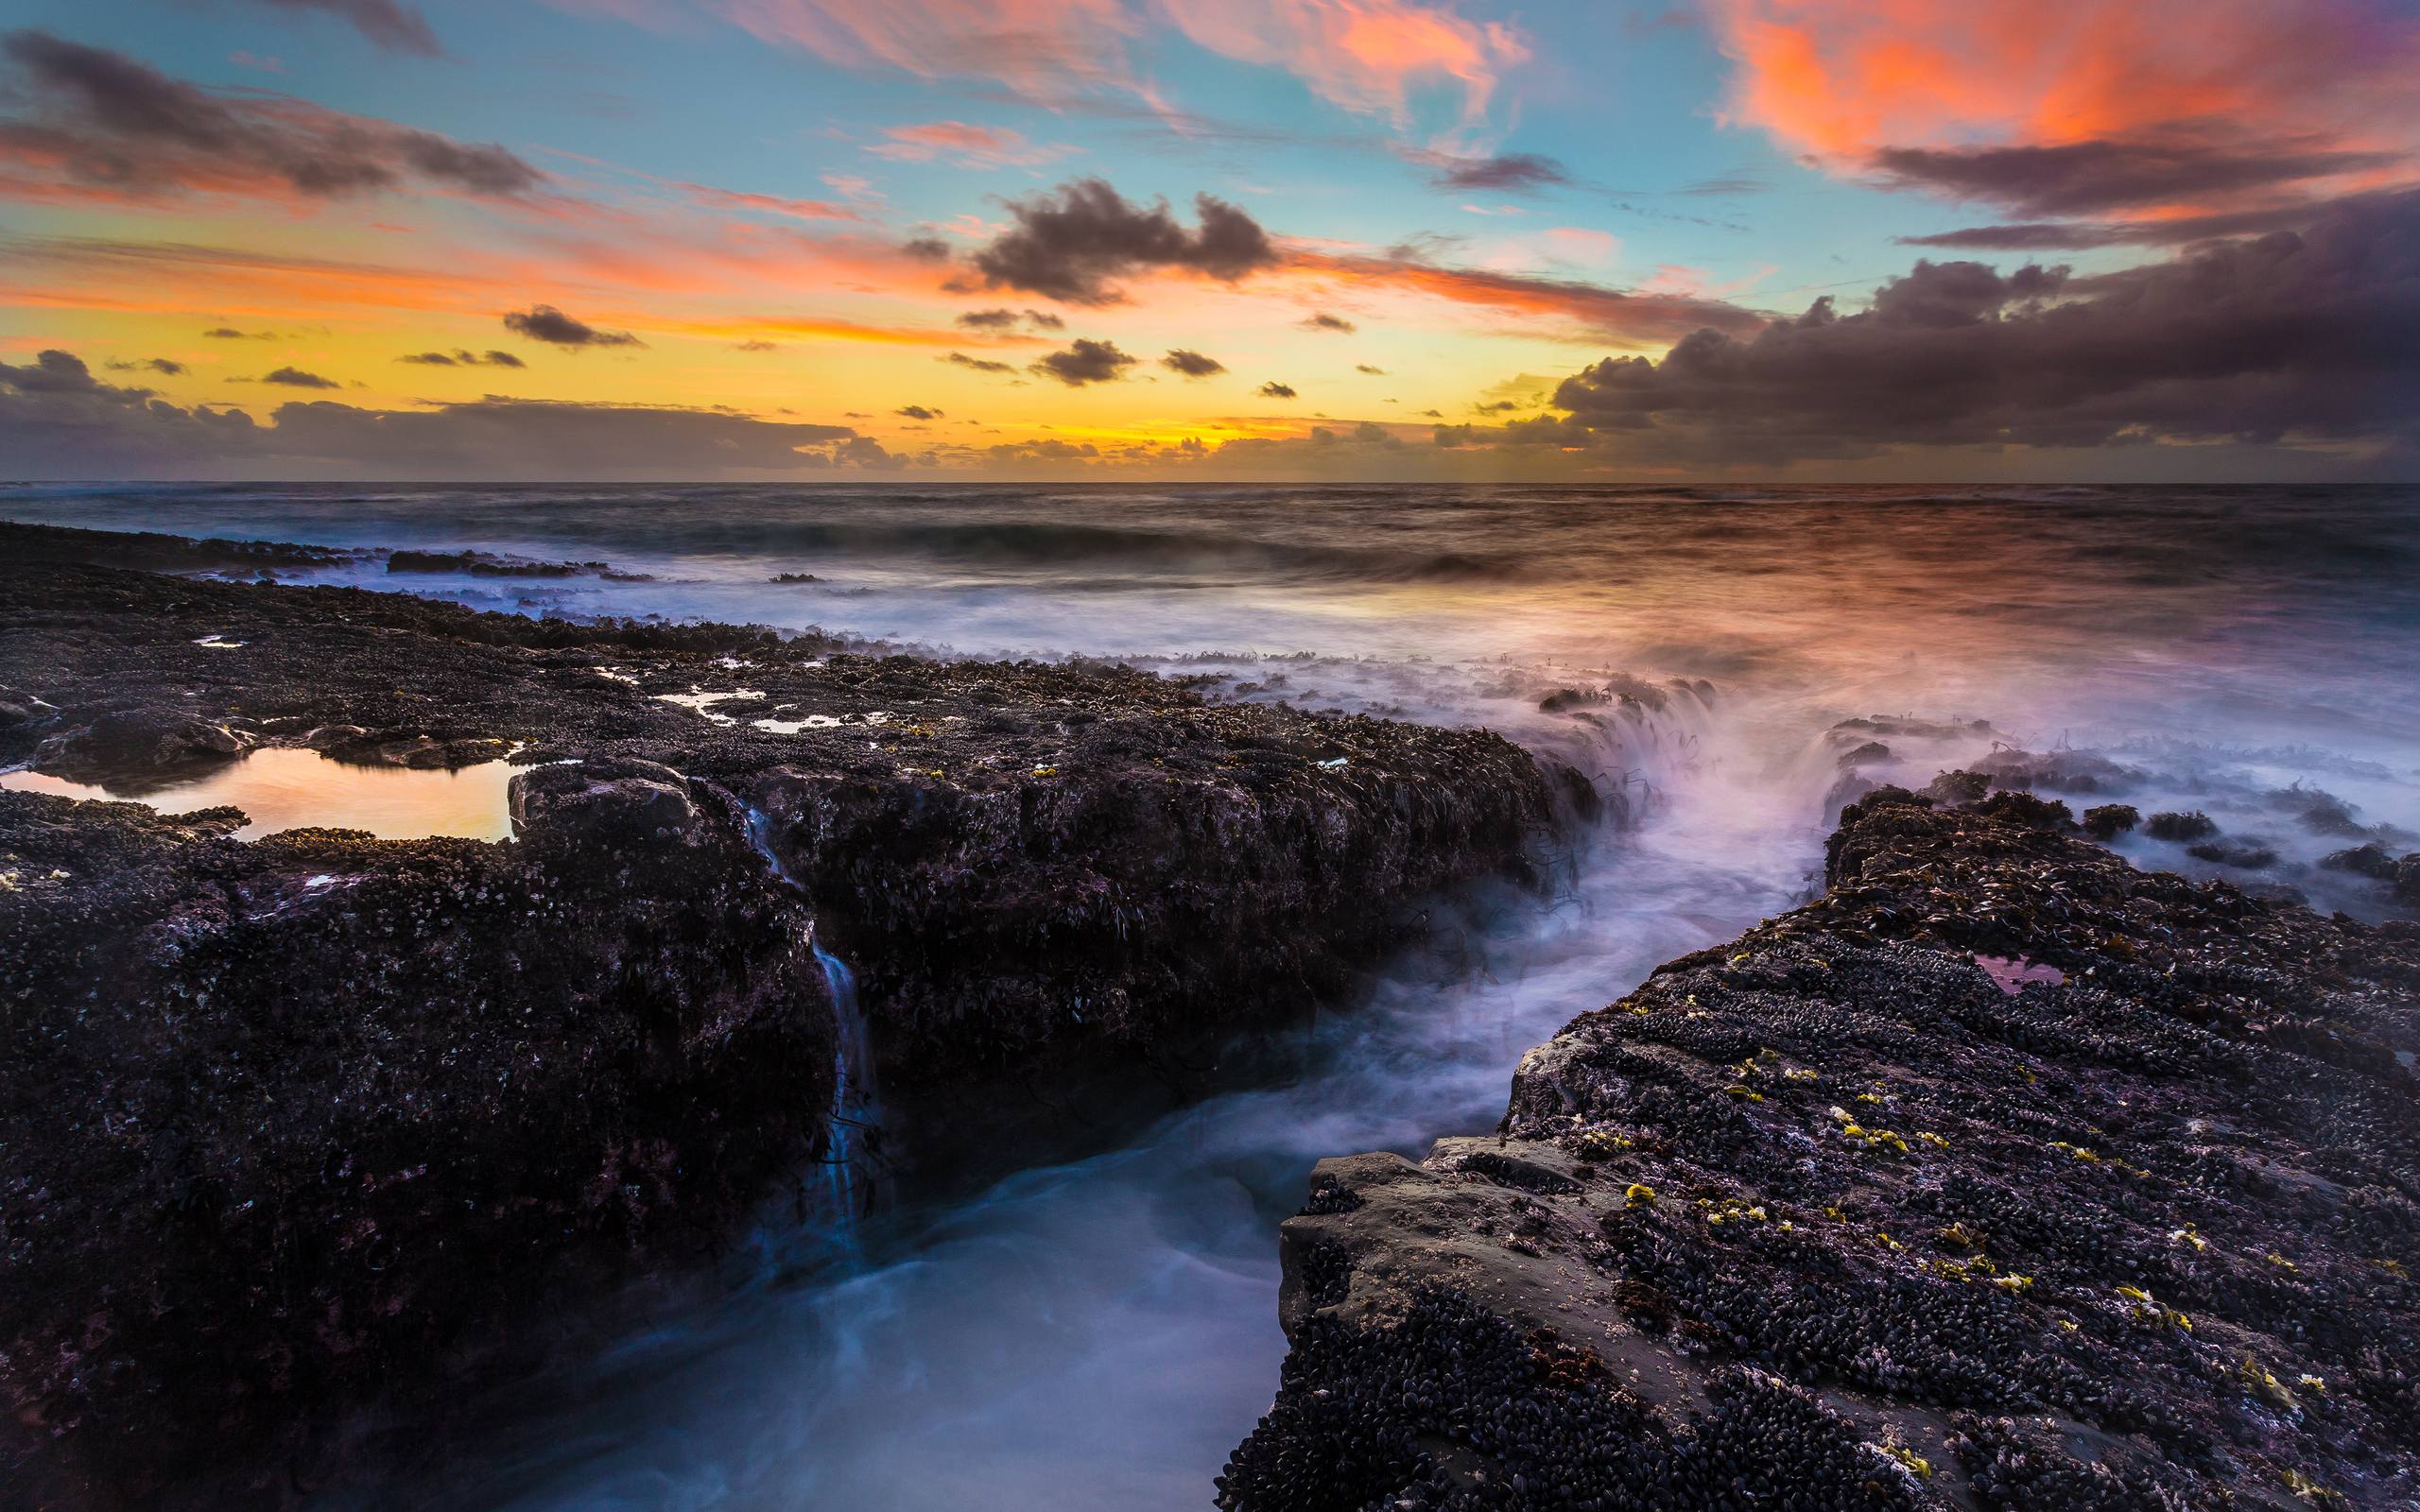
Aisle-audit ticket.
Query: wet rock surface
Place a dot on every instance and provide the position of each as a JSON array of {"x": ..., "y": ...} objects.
[
  {"x": 289, "y": 1123},
  {"x": 2005, "y": 1175}
]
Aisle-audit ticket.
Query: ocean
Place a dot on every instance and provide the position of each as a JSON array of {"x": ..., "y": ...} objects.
[{"x": 1099, "y": 1333}]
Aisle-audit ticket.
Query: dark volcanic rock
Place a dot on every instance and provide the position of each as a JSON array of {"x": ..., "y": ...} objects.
[
  {"x": 147, "y": 744},
  {"x": 2004, "y": 1176},
  {"x": 487, "y": 565},
  {"x": 2195, "y": 825},
  {"x": 152, "y": 551},
  {"x": 2110, "y": 820},
  {"x": 287, "y": 1122},
  {"x": 1108, "y": 858}
]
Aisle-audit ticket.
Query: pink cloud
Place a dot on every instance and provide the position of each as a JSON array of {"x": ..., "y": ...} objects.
[
  {"x": 1366, "y": 55},
  {"x": 2176, "y": 82},
  {"x": 966, "y": 144}
]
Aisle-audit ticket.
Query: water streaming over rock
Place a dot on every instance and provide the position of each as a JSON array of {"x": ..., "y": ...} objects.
[
  {"x": 853, "y": 1140},
  {"x": 852, "y": 1153},
  {"x": 1096, "y": 1334}
]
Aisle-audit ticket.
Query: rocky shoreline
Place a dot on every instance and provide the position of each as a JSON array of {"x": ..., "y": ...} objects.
[
  {"x": 2003, "y": 1176},
  {"x": 298, "y": 1124}
]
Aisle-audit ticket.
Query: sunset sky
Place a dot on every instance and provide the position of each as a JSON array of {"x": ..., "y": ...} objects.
[{"x": 1216, "y": 239}]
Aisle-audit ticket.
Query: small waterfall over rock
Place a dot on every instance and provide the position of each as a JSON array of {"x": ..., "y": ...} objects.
[
  {"x": 852, "y": 1151},
  {"x": 853, "y": 1142}
]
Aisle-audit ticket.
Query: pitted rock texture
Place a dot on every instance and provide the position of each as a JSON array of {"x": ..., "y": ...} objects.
[
  {"x": 1015, "y": 857},
  {"x": 287, "y": 1122},
  {"x": 2002, "y": 1177}
]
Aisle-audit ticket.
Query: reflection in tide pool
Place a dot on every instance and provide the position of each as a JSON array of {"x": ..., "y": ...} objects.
[
  {"x": 301, "y": 789},
  {"x": 1095, "y": 1336}
]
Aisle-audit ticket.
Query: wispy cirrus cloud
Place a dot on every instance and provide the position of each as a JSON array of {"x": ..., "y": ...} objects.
[
  {"x": 965, "y": 144},
  {"x": 1368, "y": 55},
  {"x": 1565, "y": 309},
  {"x": 1371, "y": 57},
  {"x": 1501, "y": 172},
  {"x": 389, "y": 23}
]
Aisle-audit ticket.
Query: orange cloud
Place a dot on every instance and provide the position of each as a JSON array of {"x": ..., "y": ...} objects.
[
  {"x": 828, "y": 329},
  {"x": 168, "y": 277},
  {"x": 1364, "y": 55},
  {"x": 1843, "y": 80},
  {"x": 969, "y": 145},
  {"x": 769, "y": 204},
  {"x": 1567, "y": 309}
]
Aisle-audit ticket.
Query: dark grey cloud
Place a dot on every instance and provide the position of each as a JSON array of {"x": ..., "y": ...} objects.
[
  {"x": 1049, "y": 449},
  {"x": 2031, "y": 236},
  {"x": 544, "y": 323},
  {"x": 1006, "y": 320},
  {"x": 1504, "y": 172},
  {"x": 228, "y": 332},
  {"x": 1725, "y": 185},
  {"x": 58, "y": 422},
  {"x": 2167, "y": 230},
  {"x": 107, "y": 120},
  {"x": 2289, "y": 336},
  {"x": 1070, "y": 245},
  {"x": 53, "y": 371},
  {"x": 1273, "y": 390},
  {"x": 2101, "y": 176},
  {"x": 917, "y": 412},
  {"x": 158, "y": 365},
  {"x": 460, "y": 357},
  {"x": 392, "y": 26},
  {"x": 755, "y": 345},
  {"x": 1322, "y": 320},
  {"x": 1084, "y": 362},
  {"x": 297, "y": 378},
  {"x": 1192, "y": 364},
  {"x": 926, "y": 248},
  {"x": 864, "y": 451},
  {"x": 979, "y": 364},
  {"x": 1374, "y": 373}
]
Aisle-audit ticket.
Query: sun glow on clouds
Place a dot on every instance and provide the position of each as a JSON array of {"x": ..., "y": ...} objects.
[
  {"x": 980, "y": 198},
  {"x": 1366, "y": 55},
  {"x": 1843, "y": 80}
]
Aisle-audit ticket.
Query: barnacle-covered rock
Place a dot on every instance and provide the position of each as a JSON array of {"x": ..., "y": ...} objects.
[
  {"x": 2136, "y": 1237},
  {"x": 291, "y": 1121}
]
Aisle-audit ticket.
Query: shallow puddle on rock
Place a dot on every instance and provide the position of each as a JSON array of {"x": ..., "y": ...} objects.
[
  {"x": 702, "y": 704},
  {"x": 281, "y": 789}
]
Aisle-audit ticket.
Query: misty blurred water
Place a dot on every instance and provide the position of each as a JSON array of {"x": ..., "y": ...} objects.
[{"x": 1096, "y": 1334}]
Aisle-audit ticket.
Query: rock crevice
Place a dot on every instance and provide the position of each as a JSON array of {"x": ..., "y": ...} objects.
[{"x": 2003, "y": 1176}]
